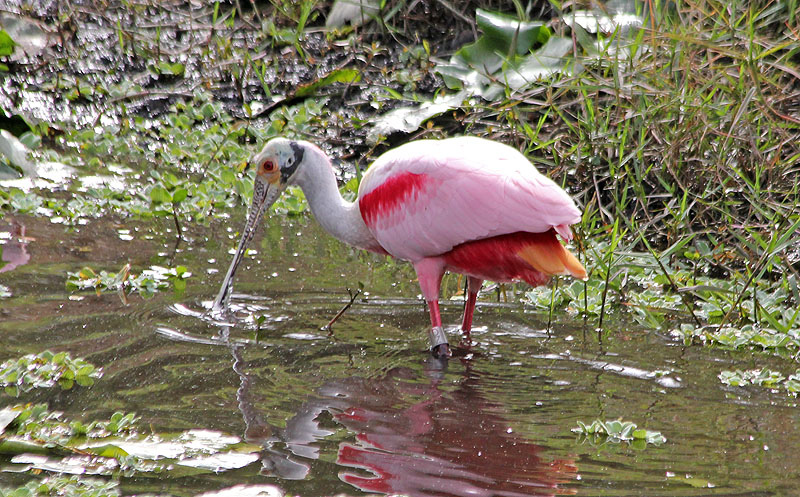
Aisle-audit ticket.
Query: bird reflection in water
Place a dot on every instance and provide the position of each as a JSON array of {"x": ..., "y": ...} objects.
[
  {"x": 448, "y": 442},
  {"x": 13, "y": 251}
]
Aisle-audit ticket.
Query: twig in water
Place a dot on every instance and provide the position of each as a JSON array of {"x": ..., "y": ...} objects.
[
  {"x": 329, "y": 327},
  {"x": 177, "y": 221}
]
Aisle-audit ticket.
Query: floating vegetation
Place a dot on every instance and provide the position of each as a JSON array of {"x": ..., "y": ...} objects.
[
  {"x": 511, "y": 54},
  {"x": 43, "y": 440},
  {"x": 45, "y": 370},
  {"x": 146, "y": 283},
  {"x": 602, "y": 432},
  {"x": 748, "y": 336},
  {"x": 64, "y": 486},
  {"x": 766, "y": 378}
]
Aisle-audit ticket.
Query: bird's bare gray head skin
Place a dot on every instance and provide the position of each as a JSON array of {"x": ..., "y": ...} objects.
[
  {"x": 276, "y": 167},
  {"x": 278, "y": 161}
]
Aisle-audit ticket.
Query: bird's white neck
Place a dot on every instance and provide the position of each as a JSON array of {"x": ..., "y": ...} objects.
[{"x": 340, "y": 218}]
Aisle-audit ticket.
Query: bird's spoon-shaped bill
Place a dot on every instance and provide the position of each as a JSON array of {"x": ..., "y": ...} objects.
[{"x": 264, "y": 195}]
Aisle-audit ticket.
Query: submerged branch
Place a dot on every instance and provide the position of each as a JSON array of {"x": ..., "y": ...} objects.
[{"x": 329, "y": 327}]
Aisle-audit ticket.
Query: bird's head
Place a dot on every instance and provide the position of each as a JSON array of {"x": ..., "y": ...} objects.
[{"x": 276, "y": 166}]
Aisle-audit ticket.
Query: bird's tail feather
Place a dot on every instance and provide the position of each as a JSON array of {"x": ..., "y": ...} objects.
[{"x": 547, "y": 255}]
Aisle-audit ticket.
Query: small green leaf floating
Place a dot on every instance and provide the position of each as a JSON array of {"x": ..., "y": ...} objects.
[
  {"x": 617, "y": 431},
  {"x": 146, "y": 283}
]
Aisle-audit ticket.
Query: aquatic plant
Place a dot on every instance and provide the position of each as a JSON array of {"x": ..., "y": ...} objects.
[
  {"x": 64, "y": 486},
  {"x": 766, "y": 378},
  {"x": 146, "y": 283},
  {"x": 113, "y": 446},
  {"x": 617, "y": 431},
  {"x": 45, "y": 370}
]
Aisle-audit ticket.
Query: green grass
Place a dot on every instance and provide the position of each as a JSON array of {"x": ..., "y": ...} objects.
[{"x": 684, "y": 155}]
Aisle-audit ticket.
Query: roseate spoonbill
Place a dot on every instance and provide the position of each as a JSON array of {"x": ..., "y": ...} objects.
[{"x": 467, "y": 205}]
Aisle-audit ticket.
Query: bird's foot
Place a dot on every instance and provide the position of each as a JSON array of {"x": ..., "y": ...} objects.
[
  {"x": 439, "y": 346},
  {"x": 441, "y": 351}
]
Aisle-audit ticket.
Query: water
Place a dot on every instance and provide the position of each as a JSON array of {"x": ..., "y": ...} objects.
[{"x": 366, "y": 409}]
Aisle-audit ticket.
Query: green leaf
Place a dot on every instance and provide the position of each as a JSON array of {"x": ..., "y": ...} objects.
[
  {"x": 16, "y": 446},
  {"x": 7, "y": 416},
  {"x": 503, "y": 30},
  {"x": 108, "y": 450},
  {"x": 84, "y": 381},
  {"x": 509, "y": 54},
  {"x": 336, "y": 76},
  {"x": 393, "y": 93},
  {"x": 542, "y": 63},
  {"x": 227, "y": 177},
  {"x": 179, "y": 195},
  {"x": 617, "y": 431},
  {"x": 59, "y": 358},
  {"x": 30, "y": 140},
  {"x": 7, "y": 44},
  {"x": 160, "y": 195},
  {"x": 504, "y": 37},
  {"x": 176, "y": 69},
  {"x": 613, "y": 427},
  {"x": 207, "y": 110}
]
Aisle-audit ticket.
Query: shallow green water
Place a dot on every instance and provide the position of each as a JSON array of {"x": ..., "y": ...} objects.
[{"x": 366, "y": 409}]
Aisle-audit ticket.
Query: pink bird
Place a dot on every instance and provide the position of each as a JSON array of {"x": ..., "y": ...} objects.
[{"x": 466, "y": 205}]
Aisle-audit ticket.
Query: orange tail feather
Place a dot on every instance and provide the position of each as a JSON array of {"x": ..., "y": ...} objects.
[{"x": 548, "y": 256}]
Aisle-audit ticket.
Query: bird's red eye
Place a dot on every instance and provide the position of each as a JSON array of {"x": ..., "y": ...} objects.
[{"x": 268, "y": 166}]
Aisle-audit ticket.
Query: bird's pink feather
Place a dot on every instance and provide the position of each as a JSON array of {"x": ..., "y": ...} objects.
[{"x": 426, "y": 197}]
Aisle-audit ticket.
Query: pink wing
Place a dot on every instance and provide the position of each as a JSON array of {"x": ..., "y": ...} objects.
[{"x": 425, "y": 197}]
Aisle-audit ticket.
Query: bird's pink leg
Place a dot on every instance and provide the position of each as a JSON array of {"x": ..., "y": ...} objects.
[
  {"x": 473, "y": 287},
  {"x": 430, "y": 272}
]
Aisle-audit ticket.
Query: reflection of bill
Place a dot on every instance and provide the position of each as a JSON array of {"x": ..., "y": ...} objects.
[
  {"x": 13, "y": 251},
  {"x": 411, "y": 438}
]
